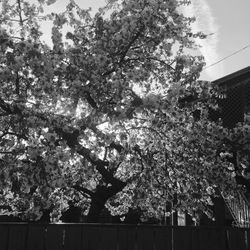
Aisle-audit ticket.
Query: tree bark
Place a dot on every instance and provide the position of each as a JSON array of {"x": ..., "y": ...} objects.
[{"x": 99, "y": 199}]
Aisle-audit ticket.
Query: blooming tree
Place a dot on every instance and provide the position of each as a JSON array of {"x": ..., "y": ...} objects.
[{"x": 101, "y": 118}]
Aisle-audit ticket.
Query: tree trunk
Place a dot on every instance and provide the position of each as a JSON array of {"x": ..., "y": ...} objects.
[
  {"x": 99, "y": 200},
  {"x": 95, "y": 211}
]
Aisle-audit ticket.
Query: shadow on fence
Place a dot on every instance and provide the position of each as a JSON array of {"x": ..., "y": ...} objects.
[{"x": 25, "y": 236}]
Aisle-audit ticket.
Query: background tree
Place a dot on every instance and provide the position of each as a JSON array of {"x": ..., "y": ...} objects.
[{"x": 96, "y": 120}]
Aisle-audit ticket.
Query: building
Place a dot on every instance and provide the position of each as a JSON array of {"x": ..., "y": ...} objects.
[
  {"x": 236, "y": 105},
  {"x": 234, "y": 102}
]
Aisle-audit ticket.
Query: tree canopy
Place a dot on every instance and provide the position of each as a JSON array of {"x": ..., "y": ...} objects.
[{"x": 110, "y": 115}]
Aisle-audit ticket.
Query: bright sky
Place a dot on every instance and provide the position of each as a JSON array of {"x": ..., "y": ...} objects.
[
  {"x": 227, "y": 20},
  {"x": 230, "y": 19}
]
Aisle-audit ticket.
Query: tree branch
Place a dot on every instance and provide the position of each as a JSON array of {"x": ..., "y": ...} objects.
[
  {"x": 17, "y": 84},
  {"x": 7, "y": 152},
  {"x": 15, "y": 134},
  {"x": 20, "y": 12},
  {"x": 90, "y": 100},
  {"x": 5, "y": 106},
  {"x": 8, "y": 108},
  {"x": 118, "y": 147},
  {"x": 124, "y": 53},
  {"x": 84, "y": 191},
  {"x": 72, "y": 141},
  {"x": 130, "y": 44}
]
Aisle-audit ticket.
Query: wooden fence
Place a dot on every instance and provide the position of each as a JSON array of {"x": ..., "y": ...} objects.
[{"x": 24, "y": 236}]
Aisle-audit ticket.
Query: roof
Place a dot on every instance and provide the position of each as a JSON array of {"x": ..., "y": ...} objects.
[{"x": 234, "y": 78}]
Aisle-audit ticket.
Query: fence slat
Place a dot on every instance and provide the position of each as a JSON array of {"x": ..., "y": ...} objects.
[
  {"x": 122, "y": 238},
  {"x": 91, "y": 238},
  {"x": 248, "y": 240},
  {"x": 127, "y": 238},
  {"x": 109, "y": 238},
  {"x": 219, "y": 237},
  {"x": 145, "y": 238},
  {"x": 54, "y": 237},
  {"x": 4, "y": 236},
  {"x": 132, "y": 238},
  {"x": 36, "y": 236},
  {"x": 201, "y": 239},
  {"x": 182, "y": 238},
  {"x": 209, "y": 239},
  {"x": 197, "y": 243},
  {"x": 163, "y": 238},
  {"x": 17, "y": 237},
  {"x": 236, "y": 239},
  {"x": 73, "y": 237}
]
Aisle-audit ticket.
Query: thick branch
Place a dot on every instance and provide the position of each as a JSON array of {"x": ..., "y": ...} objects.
[
  {"x": 20, "y": 12},
  {"x": 71, "y": 139},
  {"x": 90, "y": 100},
  {"x": 118, "y": 147},
  {"x": 84, "y": 191}
]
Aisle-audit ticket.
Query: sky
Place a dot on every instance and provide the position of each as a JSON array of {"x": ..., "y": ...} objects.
[
  {"x": 230, "y": 20},
  {"x": 226, "y": 21}
]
